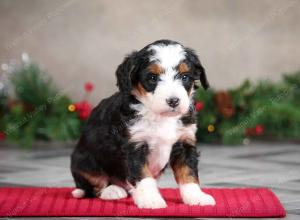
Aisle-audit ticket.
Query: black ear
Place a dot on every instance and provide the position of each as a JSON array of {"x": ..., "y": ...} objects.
[
  {"x": 199, "y": 71},
  {"x": 124, "y": 73}
]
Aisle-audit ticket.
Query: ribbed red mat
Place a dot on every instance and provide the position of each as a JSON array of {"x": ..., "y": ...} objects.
[{"x": 254, "y": 202}]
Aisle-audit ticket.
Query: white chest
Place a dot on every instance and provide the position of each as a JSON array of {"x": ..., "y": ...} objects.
[{"x": 160, "y": 134}]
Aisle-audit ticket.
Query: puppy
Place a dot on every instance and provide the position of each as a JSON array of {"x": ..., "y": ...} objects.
[{"x": 132, "y": 136}]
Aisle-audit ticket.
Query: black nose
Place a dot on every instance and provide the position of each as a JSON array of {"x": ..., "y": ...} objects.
[{"x": 173, "y": 102}]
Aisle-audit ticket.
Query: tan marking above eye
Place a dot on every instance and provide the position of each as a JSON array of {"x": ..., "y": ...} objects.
[
  {"x": 183, "y": 68},
  {"x": 155, "y": 68}
]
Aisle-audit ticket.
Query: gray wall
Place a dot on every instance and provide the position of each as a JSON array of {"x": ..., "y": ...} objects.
[{"x": 78, "y": 41}]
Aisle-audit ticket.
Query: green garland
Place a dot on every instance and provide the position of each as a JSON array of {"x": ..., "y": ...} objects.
[
  {"x": 39, "y": 111},
  {"x": 265, "y": 110}
]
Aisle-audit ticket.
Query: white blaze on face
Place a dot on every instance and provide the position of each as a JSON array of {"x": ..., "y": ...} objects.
[
  {"x": 168, "y": 57},
  {"x": 159, "y": 126}
]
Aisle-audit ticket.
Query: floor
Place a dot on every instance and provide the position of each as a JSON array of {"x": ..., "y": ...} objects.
[{"x": 268, "y": 165}]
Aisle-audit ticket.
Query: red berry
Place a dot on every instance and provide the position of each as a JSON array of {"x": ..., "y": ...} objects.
[
  {"x": 78, "y": 106},
  {"x": 259, "y": 129},
  {"x": 84, "y": 115},
  {"x": 2, "y": 136},
  {"x": 88, "y": 86},
  {"x": 85, "y": 105},
  {"x": 199, "y": 106},
  {"x": 84, "y": 110}
]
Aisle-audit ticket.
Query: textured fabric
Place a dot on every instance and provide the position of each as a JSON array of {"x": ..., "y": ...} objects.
[{"x": 238, "y": 202}]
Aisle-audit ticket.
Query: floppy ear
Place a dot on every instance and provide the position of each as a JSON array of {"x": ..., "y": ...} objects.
[
  {"x": 124, "y": 73},
  {"x": 199, "y": 71}
]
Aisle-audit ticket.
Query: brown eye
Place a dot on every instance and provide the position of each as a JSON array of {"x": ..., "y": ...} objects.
[
  {"x": 152, "y": 78},
  {"x": 185, "y": 78}
]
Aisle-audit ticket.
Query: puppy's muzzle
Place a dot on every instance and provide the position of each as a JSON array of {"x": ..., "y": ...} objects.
[{"x": 173, "y": 102}]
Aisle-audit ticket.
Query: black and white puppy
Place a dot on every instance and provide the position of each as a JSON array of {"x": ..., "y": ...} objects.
[{"x": 133, "y": 135}]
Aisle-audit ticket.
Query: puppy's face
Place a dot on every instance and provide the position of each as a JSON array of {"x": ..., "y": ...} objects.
[{"x": 162, "y": 76}]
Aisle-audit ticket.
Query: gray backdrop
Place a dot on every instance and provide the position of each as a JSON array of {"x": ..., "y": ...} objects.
[{"x": 78, "y": 41}]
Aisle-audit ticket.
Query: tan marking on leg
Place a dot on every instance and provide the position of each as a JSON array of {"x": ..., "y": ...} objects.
[{"x": 183, "y": 174}]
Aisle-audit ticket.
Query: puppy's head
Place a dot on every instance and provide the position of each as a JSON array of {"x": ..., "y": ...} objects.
[{"x": 162, "y": 76}]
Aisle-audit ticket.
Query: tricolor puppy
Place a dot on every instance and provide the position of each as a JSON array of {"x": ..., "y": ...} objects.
[{"x": 133, "y": 135}]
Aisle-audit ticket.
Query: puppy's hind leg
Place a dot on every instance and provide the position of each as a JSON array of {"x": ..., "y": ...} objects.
[
  {"x": 88, "y": 185},
  {"x": 83, "y": 187},
  {"x": 113, "y": 192}
]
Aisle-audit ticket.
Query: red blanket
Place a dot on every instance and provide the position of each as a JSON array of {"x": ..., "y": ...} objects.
[{"x": 241, "y": 202}]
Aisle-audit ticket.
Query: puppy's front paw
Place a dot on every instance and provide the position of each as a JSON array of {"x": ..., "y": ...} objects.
[
  {"x": 113, "y": 192},
  {"x": 146, "y": 195},
  {"x": 199, "y": 199},
  {"x": 192, "y": 195},
  {"x": 148, "y": 200}
]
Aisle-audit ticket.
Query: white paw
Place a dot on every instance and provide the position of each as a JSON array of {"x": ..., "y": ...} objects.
[
  {"x": 149, "y": 200},
  {"x": 113, "y": 192},
  {"x": 78, "y": 193},
  {"x": 192, "y": 195},
  {"x": 199, "y": 199},
  {"x": 146, "y": 195}
]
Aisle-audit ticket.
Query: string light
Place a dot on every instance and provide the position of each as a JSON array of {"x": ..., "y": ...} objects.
[
  {"x": 211, "y": 128},
  {"x": 71, "y": 108}
]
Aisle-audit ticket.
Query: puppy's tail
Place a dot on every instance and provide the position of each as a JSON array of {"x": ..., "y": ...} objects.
[{"x": 78, "y": 193}]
